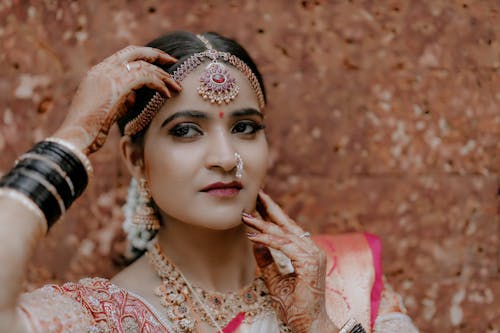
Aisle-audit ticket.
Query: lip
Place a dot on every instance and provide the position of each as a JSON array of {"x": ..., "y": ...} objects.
[{"x": 221, "y": 189}]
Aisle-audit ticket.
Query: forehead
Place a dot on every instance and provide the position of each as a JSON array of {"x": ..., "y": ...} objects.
[{"x": 189, "y": 99}]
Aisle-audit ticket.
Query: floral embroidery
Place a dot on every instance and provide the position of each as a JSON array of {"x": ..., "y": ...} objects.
[{"x": 91, "y": 305}]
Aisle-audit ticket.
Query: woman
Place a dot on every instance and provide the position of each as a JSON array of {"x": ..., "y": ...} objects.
[{"x": 198, "y": 154}]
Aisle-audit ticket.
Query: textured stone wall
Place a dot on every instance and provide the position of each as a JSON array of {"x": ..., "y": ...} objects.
[{"x": 384, "y": 116}]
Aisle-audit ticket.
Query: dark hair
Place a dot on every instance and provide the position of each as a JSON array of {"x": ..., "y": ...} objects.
[{"x": 181, "y": 45}]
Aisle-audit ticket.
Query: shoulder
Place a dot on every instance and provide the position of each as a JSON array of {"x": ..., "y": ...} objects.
[{"x": 90, "y": 305}]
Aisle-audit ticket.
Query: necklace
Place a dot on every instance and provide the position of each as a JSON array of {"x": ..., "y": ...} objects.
[{"x": 181, "y": 299}]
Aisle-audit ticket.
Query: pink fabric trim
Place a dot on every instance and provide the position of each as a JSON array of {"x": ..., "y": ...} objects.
[
  {"x": 234, "y": 323},
  {"x": 378, "y": 284}
]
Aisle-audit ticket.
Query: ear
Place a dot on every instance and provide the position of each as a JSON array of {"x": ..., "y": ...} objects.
[{"x": 132, "y": 155}]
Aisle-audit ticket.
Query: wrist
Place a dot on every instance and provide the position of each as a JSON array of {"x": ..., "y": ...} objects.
[
  {"x": 47, "y": 179},
  {"x": 77, "y": 138},
  {"x": 323, "y": 325}
]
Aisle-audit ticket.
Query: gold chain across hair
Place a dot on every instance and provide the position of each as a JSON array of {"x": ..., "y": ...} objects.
[
  {"x": 180, "y": 298},
  {"x": 217, "y": 85}
]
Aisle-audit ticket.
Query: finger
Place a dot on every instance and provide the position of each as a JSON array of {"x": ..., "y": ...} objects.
[
  {"x": 261, "y": 225},
  {"x": 309, "y": 266},
  {"x": 282, "y": 244},
  {"x": 277, "y": 215},
  {"x": 262, "y": 255},
  {"x": 260, "y": 208},
  {"x": 164, "y": 58},
  {"x": 265, "y": 262},
  {"x": 273, "y": 229},
  {"x": 140, "y": 67},
  {"x": 130, "y": 100},
  {"x": 149, "y": 54},
  {"x": 158, "y": 85},
  {"x": 151, "y": 81},
  {"x": 299, "y": 254}
]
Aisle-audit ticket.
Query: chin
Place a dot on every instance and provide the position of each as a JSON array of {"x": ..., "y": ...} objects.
[
  {"x": 220, "y": 221},
  {"x": 221, "y": 215}
]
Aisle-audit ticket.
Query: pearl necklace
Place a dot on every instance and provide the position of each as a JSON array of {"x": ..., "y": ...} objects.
[{"x": 217, "y": 309}]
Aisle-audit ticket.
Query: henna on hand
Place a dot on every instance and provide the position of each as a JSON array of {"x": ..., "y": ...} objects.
[
  {"x": 299, "y": 297},
  {"x": 107, "y": 92}
]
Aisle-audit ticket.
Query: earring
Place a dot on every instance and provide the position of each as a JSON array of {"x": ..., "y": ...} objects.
[
  {"x": 239, "y": 165},
  {"x": 145, "y": 216}
]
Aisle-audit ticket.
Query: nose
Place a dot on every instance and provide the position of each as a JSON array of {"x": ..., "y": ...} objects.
[{"x": 221, "y": 153}]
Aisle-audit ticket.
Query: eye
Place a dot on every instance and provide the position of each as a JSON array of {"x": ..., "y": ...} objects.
[
  {"x": 185, "y": 130},
  {"x": 247, "y": 127}
]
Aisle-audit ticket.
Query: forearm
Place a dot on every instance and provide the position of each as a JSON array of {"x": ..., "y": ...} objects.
[
  {"x": 323, "y": 325},
  {"x": 323, "y": 328},
  {"x": 34, "y": 194},
  {"x": 20, "y": 230}
]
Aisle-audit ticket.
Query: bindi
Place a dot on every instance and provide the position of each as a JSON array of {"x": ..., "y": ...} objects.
[{"x": 221, "y": 114}]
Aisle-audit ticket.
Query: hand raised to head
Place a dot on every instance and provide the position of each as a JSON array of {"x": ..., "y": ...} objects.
[
  {"x": 299, "y": 297},
  {"x": 107, "y": 92}
]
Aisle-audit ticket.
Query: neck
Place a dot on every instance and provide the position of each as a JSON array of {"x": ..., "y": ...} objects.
[{"x": 218, "y": 260}]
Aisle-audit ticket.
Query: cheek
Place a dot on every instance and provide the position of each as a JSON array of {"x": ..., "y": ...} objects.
[
  {"x": 168, "y": 169},
  {"x": 170, "y": 164},
  {"x": 256, "y": 162}
]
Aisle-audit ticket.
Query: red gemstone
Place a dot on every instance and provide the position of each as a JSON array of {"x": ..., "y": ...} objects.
[{"x": 218, "y": 78}]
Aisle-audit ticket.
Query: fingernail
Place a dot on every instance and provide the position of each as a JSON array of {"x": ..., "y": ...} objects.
[
  {"x": 251, "y": 234},
  {"x": 246, "y": 215}
]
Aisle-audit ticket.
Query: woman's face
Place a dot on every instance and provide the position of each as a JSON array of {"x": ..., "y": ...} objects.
[{"x": 189, "y": 156}]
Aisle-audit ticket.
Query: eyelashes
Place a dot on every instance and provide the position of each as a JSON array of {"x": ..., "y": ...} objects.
[
  {"x": 247, "y": 127},
  {"x": 185, "y": 130},
  {"x": 191, "y": 130}
]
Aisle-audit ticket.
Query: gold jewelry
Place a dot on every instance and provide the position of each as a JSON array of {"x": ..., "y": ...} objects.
[
  {"x": 145, "y": 216},
  {"x": 217, "y": 309},
  {"x": 217, "y": 85},
  {"x": 142, "y": 120}
]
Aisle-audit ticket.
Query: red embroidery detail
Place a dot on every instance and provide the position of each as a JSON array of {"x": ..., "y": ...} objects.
[
  {"x": 113, "y": 306},
  {"x": 341, "y": 295}
]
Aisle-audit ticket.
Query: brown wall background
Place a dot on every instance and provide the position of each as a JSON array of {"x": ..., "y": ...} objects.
[{"x": 383, "y": 116}]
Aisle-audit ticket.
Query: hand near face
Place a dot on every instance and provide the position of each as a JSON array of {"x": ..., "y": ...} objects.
[
  {"x": 107, "y": 92},
  {"x": 299, "y": 297}
]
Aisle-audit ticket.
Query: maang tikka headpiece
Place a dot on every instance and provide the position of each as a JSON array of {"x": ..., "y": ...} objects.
[{"x": 216, "y": 83}]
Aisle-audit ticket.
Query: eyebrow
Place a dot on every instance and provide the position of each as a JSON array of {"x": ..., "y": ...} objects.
[
  {"x": 185, "y": 114},
  {"x": 247, "y": 112},
  {"x": 204, "y": 115}
]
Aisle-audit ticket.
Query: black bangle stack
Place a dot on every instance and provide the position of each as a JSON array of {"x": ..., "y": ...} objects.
[
  {"x": 351, "y": 326},
  {"x": 358, "y": 329},
  {"x": 51, "y": 175}
]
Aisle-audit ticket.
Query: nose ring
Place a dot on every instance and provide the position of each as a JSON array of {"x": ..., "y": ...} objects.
[{"x": 239, "y": 165}]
